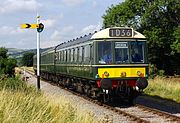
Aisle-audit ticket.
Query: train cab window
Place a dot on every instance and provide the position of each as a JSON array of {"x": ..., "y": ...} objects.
[
  {"x": 137, "y": 52},
  {"x": 104, "y": 52},
  {"x": 121, "y": 52}
]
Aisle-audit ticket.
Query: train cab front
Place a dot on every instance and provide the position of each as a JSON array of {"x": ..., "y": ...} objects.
[
  {"x": 121, "y": 82},
  {"x": 115, "y": 77}
]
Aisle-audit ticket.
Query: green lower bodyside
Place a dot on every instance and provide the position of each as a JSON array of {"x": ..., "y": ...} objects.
[{"x": 78, "y": 71}]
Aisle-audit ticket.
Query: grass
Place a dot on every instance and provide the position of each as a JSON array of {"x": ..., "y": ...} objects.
[
  {"x": 168, "y": 88},
  {"x": 26, "y": 68},
  {"x": 22, "y": 108},
  {"x": 21, "y": 103}
]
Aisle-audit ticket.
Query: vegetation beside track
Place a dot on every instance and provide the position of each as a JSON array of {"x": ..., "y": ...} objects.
[
  {"x": 23, "y": 103},
  {"x": 168, "y": 88}
]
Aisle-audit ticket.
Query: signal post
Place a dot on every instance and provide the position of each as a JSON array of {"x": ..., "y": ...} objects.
[
  {"x": 40, "y": 28},
  {"x": 38, "y": 58}
]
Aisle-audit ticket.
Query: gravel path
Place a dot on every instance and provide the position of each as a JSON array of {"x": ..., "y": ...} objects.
[{"x": 102, "y": 114}]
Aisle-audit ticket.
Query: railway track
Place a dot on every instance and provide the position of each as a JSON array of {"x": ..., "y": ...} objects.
[{"x": 137, "y": 113}]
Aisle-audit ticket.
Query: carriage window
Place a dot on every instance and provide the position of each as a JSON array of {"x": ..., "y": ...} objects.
[
  {"x": 137, "y": 52},
  {"x": 91, "y": 53},
  {"x": 121, "y": 52},
  {"x": 105, "y": 52},
  {"x": 65, "y": 55},
  {"x": 69, "y": 55},
  {"x": 87, "y": 53},
  {"x": 80, "y": 54},
  {"x": 60, "y": 56},
  {"x": 76, "y": 54},
  {"x": 72, "y": 55}
]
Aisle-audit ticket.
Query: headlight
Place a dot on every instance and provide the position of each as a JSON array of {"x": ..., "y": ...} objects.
[
  {"x": 140, "y": 74},
  {"x": 106, "y": 74},
  {"x": 123, "y": 74}
]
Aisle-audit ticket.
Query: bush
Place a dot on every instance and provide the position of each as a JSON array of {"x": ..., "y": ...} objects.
[{"x": 15, "y": 84}]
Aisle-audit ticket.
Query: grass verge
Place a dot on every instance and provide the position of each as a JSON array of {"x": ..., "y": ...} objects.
[
  {"x": 21, "y": 103},
  {"x": 168, "y": 88}
]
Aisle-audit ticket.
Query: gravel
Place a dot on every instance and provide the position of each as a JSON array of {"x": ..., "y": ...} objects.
[{"x": 100, "y": 113}]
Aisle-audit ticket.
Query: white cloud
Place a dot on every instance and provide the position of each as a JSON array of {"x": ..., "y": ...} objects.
[
  {"x": 52, "y": 21},
  {"x": 7, "y": 30},
  {"x": 94, "y": 3},
  {"x": 91, "y": 28},
  {"x": 9, "y": 6},
  {"x": 49, "y": 23},
  {"x": 58, "y": 36},
  {"x": 73, "y": 2}
]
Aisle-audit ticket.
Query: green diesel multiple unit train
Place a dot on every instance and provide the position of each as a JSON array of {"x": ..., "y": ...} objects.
[{"x": 106, "y": 64}]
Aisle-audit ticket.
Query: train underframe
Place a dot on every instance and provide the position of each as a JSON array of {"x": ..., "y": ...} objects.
[{"x": 104, "y": 90}]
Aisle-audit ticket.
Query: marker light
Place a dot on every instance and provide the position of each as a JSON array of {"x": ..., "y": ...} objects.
[{"x": 97, "y": 76}]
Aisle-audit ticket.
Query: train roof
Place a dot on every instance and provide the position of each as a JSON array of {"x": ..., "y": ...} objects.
[
  {"x": 51, "y": 49},
  {"x": 108, "y": 33}
]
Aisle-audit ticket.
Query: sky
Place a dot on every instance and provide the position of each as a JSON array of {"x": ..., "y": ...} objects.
[{"x": 63, "y": 21}]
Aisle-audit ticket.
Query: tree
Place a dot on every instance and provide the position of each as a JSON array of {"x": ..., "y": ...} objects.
[
  {"x": 127, "y": 13},
  {"x": 176, "y": 44},
  {"x": 158, "y": 21},
  {"x": 27, "y": 59},
  {"x": 7, "y": 65},
  {"x": 3, "y": 52}
]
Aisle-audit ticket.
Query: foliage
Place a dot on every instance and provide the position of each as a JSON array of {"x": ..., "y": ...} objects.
[
  {"x": 127, "y": 13},
  {"x": 158, "y": 21},
  {"x": 27, "y": 59},
  {"x": 3, "y": 53},
  {"x": 7, "y": 65},
  {"x": 176, "y": 44}
]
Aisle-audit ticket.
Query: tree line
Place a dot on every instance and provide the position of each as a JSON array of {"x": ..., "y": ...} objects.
[
  {"x": 159, "y": 21},
  {"x": 8, "y": 64}
]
